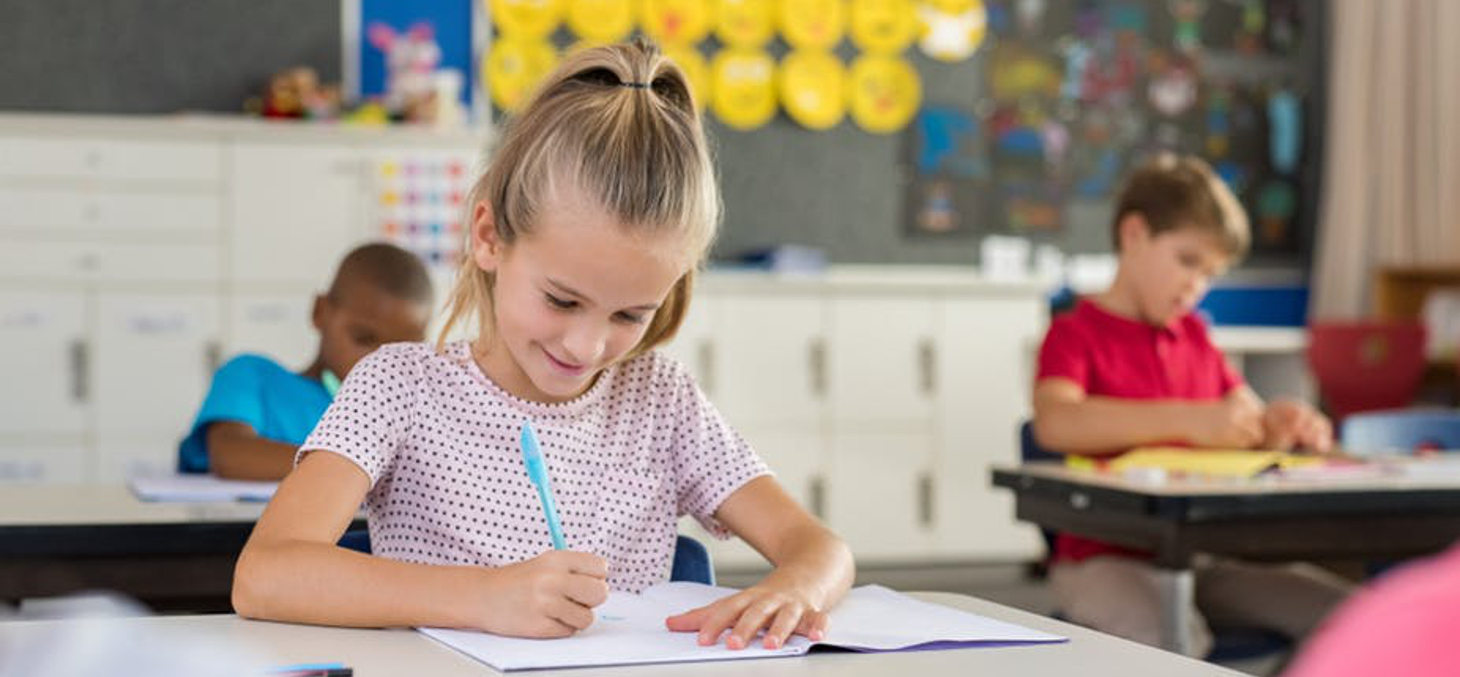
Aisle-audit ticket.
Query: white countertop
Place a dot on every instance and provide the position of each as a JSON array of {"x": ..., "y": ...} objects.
[{"x": 216, "y": 126}]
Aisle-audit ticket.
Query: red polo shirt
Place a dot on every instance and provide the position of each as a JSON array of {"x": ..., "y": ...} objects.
[{"x": 1112, "y": 356}]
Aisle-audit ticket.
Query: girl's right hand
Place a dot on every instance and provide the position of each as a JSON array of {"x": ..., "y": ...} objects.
[{"x": 551, "y": 595}]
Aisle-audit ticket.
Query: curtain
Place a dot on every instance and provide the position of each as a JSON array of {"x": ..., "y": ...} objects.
[{"x": 1391, "y": 180}]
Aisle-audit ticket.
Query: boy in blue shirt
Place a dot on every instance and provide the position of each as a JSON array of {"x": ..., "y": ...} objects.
[{"x": 257, "y": 413}]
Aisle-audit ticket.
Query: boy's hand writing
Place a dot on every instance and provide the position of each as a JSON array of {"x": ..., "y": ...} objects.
[
  {"x": 1287, "y": 424},
  {"x": 1233, "y": 423},
  {"x": 551, "y": 595},
  {"x": 777, "y": 609}
]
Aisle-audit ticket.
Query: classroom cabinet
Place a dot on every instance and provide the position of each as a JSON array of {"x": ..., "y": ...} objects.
[
  {"x": 136, "y": 255},
  {"x": 878, "y": 493},
  {"x": 879, "y": 407},
  {"x": 155, "y": 354},
  {"x": 32, "y": 461},
  {"x": 43, "y": 363},
  {"x": 277, "y": 324},
  {"x": 982, "y": 341},
  {"x": 883, "y": 345},
  {"x": 296, "y": 210},
  {"x": 768, "y": 358},
  {"x": 93, "y": 155}
]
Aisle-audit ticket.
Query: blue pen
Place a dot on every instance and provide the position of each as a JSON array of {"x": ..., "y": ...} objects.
[{"x": 537, "y": 472}]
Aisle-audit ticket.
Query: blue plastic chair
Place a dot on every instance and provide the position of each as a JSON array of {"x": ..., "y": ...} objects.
[
  {"x": 691, "y": 562},
  {"x": 1402, "y": 431},
  {"x": 1229, "y": 645},
  {"x": 691, "y": 559}
]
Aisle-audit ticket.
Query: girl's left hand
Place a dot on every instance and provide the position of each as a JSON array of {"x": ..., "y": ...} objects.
[{"x": 779, "y": 610}]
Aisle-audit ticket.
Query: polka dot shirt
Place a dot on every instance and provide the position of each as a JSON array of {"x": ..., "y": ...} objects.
[{"x": 439, "y": 440}]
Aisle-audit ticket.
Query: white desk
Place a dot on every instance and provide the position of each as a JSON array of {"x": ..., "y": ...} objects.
[{"x": 383, "y": 653}]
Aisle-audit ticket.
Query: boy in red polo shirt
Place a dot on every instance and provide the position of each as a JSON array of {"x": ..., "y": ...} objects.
[{"x": 1134, "y": 366}]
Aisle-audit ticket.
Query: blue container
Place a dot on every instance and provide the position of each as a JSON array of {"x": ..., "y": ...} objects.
[{"x": 1257, "y": 305}]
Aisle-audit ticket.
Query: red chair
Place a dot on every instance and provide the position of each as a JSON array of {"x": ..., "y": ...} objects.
[{"x": 1363, "y": 366}]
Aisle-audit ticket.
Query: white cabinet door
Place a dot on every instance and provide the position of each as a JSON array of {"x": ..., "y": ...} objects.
[
  {"x": 295, "y": 211},
  {"x": 693, "y": 344},
  {"x": 155, "y": 355},
  {"x": 882, "y": 360},
  {"x": 986, "y": 352},
  {"x": 24, "y": 462},
  {"x": 769, "y": 359},
  {"x": 796, "y": 456},
  {"x": 43, "y": 379},
  {"x": 879, "y": 495},
  {"x": 277, "y": 325},
  {"x": 122, "y": 456}
]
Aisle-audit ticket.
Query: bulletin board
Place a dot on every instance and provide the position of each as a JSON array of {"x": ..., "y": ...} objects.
[{"x": 1074, "y": 94}]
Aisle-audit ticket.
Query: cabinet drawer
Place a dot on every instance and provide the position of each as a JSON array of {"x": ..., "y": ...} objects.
[
  {"x": 91, "y": 262},
  {"x": 108, "y": 211},
  {"x": 52, "y": 158}
]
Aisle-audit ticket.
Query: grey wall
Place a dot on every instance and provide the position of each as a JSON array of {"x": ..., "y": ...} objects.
[
  {"x": 842, "y": 189},
  {"x": 157, "y": 56}
]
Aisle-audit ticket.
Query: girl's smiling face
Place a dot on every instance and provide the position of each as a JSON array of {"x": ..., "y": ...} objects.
[{"x": 571, "y": 297}]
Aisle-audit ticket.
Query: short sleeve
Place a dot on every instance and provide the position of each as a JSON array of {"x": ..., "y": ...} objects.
[
  {"x": 236, "y": 395},
  {"x": 372, "y": 412},
  {"x": 711, "y": 460},
  {"x": 1064, "y": 355},
  {"x": 1228, "y": 378}
]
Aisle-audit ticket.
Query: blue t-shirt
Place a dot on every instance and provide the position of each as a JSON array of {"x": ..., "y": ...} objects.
[{"x": 280, "y": 405}]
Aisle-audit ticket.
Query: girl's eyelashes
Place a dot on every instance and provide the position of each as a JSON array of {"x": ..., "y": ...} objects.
[
  {"x": 624, "y": 317},
  {"x": 560, "y": 304}
]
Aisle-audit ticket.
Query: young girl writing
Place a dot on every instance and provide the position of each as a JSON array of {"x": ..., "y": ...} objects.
[{"x": 585, "y": 233}]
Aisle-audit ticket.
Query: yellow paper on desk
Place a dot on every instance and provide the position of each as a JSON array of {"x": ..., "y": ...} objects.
[{"x": 1241, "y": 463}]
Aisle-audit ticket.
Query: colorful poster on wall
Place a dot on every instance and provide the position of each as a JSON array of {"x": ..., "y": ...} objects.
[{"x": 452, "y": 27}]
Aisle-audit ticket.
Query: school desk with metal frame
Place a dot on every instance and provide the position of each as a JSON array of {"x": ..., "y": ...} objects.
[
  {"x": 59, "y": 539},
  {"x": 382, "y": 653},
  {"x": 1265, "y": 519}
]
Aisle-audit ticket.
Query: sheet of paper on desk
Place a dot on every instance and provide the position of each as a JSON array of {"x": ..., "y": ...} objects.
[
  {"x": 629, "y": 630},
  {"x": 200, "y": 489},
  {"x": 1234, "y": 463}
]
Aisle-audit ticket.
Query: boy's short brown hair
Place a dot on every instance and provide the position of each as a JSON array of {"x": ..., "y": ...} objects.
[{"x": 1173, "y": 191}]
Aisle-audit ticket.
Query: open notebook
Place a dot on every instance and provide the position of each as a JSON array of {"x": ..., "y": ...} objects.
[{"x": 629, "y": 630}]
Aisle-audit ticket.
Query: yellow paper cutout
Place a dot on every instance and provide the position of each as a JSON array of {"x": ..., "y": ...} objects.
[
  {"x": 514, "y": 67},
  {"x": 675, "y": 22},
  {"x": 601, "y": 21},
  {"x": 883, "y": 26},
  {"x": 526, "y": 18},
  {"x": 813, "y": 88},
  {"x": 885, "y": 93},
  {"x": 696, "y": 71},
  {"x": 952, "y": 31},
  {"x": 952, "y": 6},
  {"x": 744, "y": 23},
  {"x": 812, "y": 24},
  {"x": 744, "y": 88}
]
